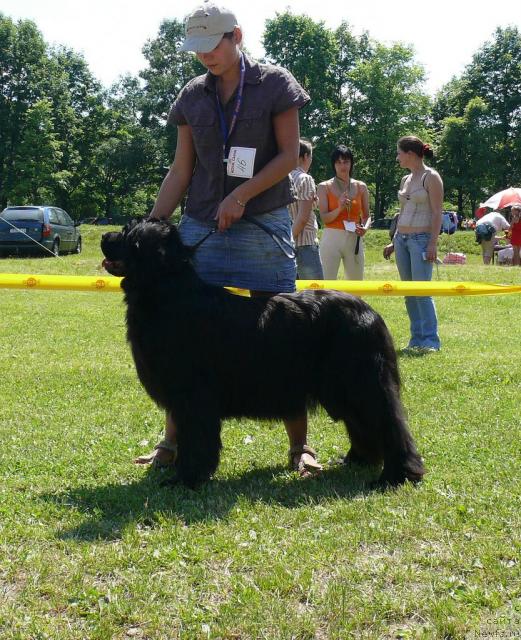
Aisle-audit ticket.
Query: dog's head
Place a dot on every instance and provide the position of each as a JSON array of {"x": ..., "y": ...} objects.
[{"x": 144, "y": 248}]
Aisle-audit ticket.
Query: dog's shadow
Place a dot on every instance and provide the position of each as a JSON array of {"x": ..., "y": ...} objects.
[{"x": 108, "y": 510}]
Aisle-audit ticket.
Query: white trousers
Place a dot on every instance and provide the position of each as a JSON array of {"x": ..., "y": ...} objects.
[{"x": 337, "y": 245}]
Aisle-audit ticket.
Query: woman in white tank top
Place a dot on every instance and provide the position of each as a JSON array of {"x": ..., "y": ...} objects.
[{"x": 416, "y": 238}]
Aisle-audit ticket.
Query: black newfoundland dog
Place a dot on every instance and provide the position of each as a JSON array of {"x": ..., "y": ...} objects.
[{"x": 205, "y": 354}]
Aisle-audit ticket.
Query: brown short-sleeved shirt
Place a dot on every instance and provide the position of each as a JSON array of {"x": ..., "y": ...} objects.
[{"x": 268, "y": 90}]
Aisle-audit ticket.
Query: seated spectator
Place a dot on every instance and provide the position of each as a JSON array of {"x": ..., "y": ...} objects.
[
  {"x": 486, "y": 229},
  {"x": 504, "y": 257}
]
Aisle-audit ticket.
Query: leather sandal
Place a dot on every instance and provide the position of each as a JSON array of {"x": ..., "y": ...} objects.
[
  {"x": 303, "y": 459},
  {"x": 165, "y": 445},
  {"x": 152, "y": 458}
]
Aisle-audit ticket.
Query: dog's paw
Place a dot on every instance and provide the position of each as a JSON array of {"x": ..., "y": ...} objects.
[
  {"x": 354, "y": 458},
  {"x": 171, "y": 480},
  {"x": 395, "y": 480},
  {"x": 175, "y": 480}
]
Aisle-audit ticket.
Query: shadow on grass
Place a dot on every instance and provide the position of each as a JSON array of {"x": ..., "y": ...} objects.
[
  {"x": 414, "y": 352},
  {"x": 109, "y": 509}
]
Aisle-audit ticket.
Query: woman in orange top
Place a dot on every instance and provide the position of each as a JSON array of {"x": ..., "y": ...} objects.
[{"x": 344, "y": 209}]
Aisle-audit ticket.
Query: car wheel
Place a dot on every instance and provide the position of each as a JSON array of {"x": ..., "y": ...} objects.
[
  {"x": 78, "y": 246},
  {"x": 56, "y": 247}
]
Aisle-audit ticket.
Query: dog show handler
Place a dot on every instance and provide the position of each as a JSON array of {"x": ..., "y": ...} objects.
[{"x": 238, "y": 140}]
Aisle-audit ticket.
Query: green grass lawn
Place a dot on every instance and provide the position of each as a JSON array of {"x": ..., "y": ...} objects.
[{"x": 92, "y": 547}]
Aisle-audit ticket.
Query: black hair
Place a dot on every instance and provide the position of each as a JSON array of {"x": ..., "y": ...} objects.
[
  {"x": 306, "y": 148},
  {"x": 341, "y": 151},
  {"x": 417, "y": 146}
]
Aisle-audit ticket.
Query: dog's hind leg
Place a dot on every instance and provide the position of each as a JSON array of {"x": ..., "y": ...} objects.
[
  {"x": 401, "y": 459},
  {"x": 361, "y": 426},
  {"x": 381, "y": 431},
  {"x": 198, "y": 442},
  {"x": 364, "y": 449},
  {"x": 378, "y": 432},
  {"x": 367, "y": 399}
]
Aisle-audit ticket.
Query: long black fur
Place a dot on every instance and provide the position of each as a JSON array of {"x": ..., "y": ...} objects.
[{"x": 205, "y": 354}]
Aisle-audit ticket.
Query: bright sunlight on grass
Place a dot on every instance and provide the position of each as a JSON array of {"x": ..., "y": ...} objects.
[{"x": 92, "y": 547}]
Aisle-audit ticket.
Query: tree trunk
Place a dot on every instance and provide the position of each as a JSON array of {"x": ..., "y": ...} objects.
[{"x": 377, "y": 203}]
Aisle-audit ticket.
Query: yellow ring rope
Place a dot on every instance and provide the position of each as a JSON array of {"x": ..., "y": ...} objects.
[{"x": 356, "y": 287}]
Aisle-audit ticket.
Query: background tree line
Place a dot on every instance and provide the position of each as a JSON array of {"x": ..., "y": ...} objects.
[{"x": 66, "y": 140}]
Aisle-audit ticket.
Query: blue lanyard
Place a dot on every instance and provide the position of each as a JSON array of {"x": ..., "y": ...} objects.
[{"x": 222, "y": 119}]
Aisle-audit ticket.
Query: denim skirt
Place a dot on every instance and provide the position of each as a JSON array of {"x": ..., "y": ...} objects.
[{"x": 243, "y": 256}]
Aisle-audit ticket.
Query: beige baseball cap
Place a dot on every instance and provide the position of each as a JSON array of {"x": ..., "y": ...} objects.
[{"x": 205, "y": 27}]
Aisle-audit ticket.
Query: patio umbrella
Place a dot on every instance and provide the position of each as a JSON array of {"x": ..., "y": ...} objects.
[
  {"x": 503, "y": 198},
  {"x": 480, "y": 212}
]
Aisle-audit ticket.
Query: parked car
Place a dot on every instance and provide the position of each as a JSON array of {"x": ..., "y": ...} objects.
[{"x": 40, "y": 230}]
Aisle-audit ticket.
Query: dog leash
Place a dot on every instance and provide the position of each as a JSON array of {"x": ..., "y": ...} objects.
[
  {"x": 283, "y": 244},
  {"x": 30, "y": 238}
]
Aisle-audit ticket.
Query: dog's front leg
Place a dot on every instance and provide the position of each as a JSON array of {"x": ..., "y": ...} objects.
[{"x": 198, "y": 441}]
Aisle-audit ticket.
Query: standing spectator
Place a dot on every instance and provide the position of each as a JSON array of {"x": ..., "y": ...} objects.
[
  {"x": 486, "y": 230},
  {"x": 238, "y": 136},
  {"x": 344, "y": 208},
  {"x": 305, "y": 227},
  {"x": 416, "y": 237},
  {"x": 515, "y": 233}
]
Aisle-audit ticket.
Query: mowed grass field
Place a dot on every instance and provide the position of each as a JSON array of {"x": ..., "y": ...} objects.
[{"x": 92, "y": 547}]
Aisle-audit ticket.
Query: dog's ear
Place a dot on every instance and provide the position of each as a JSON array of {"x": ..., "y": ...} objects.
[
  {"x": 155, "y": 247},
  {"x": 133, "y": 222},
  {"x": 177, "y": 248}
]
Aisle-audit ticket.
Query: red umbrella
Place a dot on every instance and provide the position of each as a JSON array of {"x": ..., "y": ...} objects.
[
  {"x": 480, "y": 212},
  {"x": 503, "y": 198}
]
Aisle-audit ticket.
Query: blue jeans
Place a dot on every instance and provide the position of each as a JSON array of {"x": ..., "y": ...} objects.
[
  {"x": 408, "y": 249},
  {"x": 244, "y": 255},
  {"x": 309, "y": 266}
]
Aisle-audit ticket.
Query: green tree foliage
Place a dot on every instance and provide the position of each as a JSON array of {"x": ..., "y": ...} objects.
[
  {"x": 125, "y": 163},
  {"x": 65, "y": 140},
  {"x": 494, "y": 76},
  {"x": 310, "y": 51},
  {"x": 80, "y": 121},
  {"x": 387, "y": 103},
  {"x": 37, "y": 156},
  {"x": 22, "y": 63},
  {"x": 464, "y": 153},
  {"x": 167, "y": 72},
  {"x": 364, "y": 95}
]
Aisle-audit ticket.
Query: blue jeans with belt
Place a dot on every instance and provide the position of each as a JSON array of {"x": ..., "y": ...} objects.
[{"x": 408, "y": 249}]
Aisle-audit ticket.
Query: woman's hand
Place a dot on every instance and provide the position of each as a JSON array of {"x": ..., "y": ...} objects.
[
  {"x": 228, "y": 213},
  {"x": 388, "y": 250},
  {"x": 360, "y": 230},
  {"x": 432, "y": 252},
  {"x": 345, "y": 201}
]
